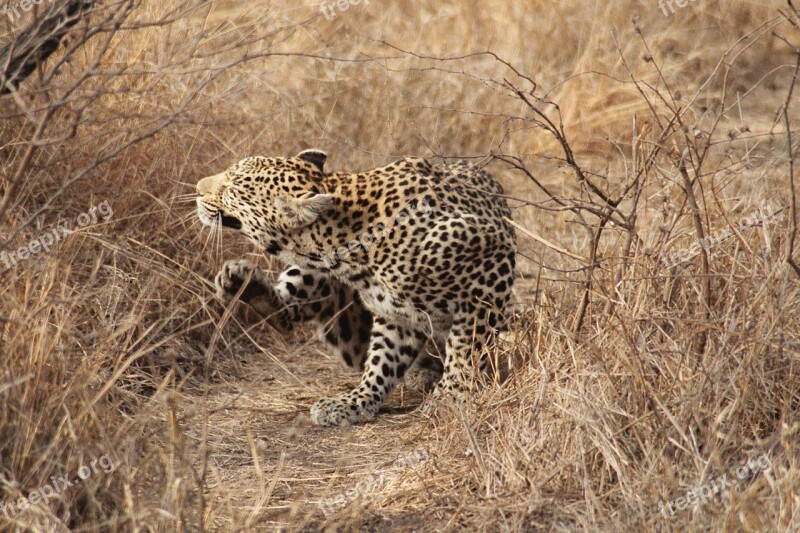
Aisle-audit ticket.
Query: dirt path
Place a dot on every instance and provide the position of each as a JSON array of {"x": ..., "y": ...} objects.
[{"x": 277, "y": 469}]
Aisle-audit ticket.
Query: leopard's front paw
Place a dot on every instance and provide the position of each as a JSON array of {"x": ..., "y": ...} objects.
[
  {"x": 422, "y": 379},
  {"x": 424, "y": 373},
  {"x": 442, "y": 396},
  {"x": 342, "y": 410},
  {"x": 232, "y": 276}
]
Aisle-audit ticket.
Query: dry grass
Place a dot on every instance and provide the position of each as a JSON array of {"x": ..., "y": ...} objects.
[{"x": 633, "y": 383}]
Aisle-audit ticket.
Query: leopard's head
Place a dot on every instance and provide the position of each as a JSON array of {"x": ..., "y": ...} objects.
[{"x": 268, "y": 199}]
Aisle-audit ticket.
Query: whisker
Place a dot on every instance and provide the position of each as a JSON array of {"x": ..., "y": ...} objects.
[
  {"x": 219, "y": 239},
  {"x": 183, "y": 183},
  {"x": 185, "y": 197},
  {"x": 209, "y": 236},
  {"x": 184, "y": 200},
  {"x": 185, "y": 219}
]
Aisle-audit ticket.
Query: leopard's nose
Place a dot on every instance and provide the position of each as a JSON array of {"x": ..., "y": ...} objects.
[{"x": 209, "y": 185}]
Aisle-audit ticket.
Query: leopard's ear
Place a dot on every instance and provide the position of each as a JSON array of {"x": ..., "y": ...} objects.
[
  {"x": 315, "y": 157},
  {"x": 300, "y": 212}
]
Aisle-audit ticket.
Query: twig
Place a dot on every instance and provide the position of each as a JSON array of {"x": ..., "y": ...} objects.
[
  {"x": 20, "y": 57},
  {"x": 688, "y": 185},
  {"x": 790, "y": 148}
]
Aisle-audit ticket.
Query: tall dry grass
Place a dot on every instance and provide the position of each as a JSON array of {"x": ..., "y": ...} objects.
[{"x": 634, "y": 381}]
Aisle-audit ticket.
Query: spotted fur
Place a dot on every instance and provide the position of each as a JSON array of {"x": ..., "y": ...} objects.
[{"x": 385, "y": 261}]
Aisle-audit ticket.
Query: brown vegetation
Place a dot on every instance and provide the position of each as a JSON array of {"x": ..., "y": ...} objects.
[{"x": 645, "y": 366}]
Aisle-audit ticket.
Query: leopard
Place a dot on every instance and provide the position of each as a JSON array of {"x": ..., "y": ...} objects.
[{"x": 403, "y": 268}]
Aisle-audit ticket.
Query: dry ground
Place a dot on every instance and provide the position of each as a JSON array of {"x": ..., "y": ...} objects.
[{"x": 634, "y": 385}]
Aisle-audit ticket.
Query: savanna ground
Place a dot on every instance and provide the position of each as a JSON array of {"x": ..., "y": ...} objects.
[{"x": 654, "y": 382}]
